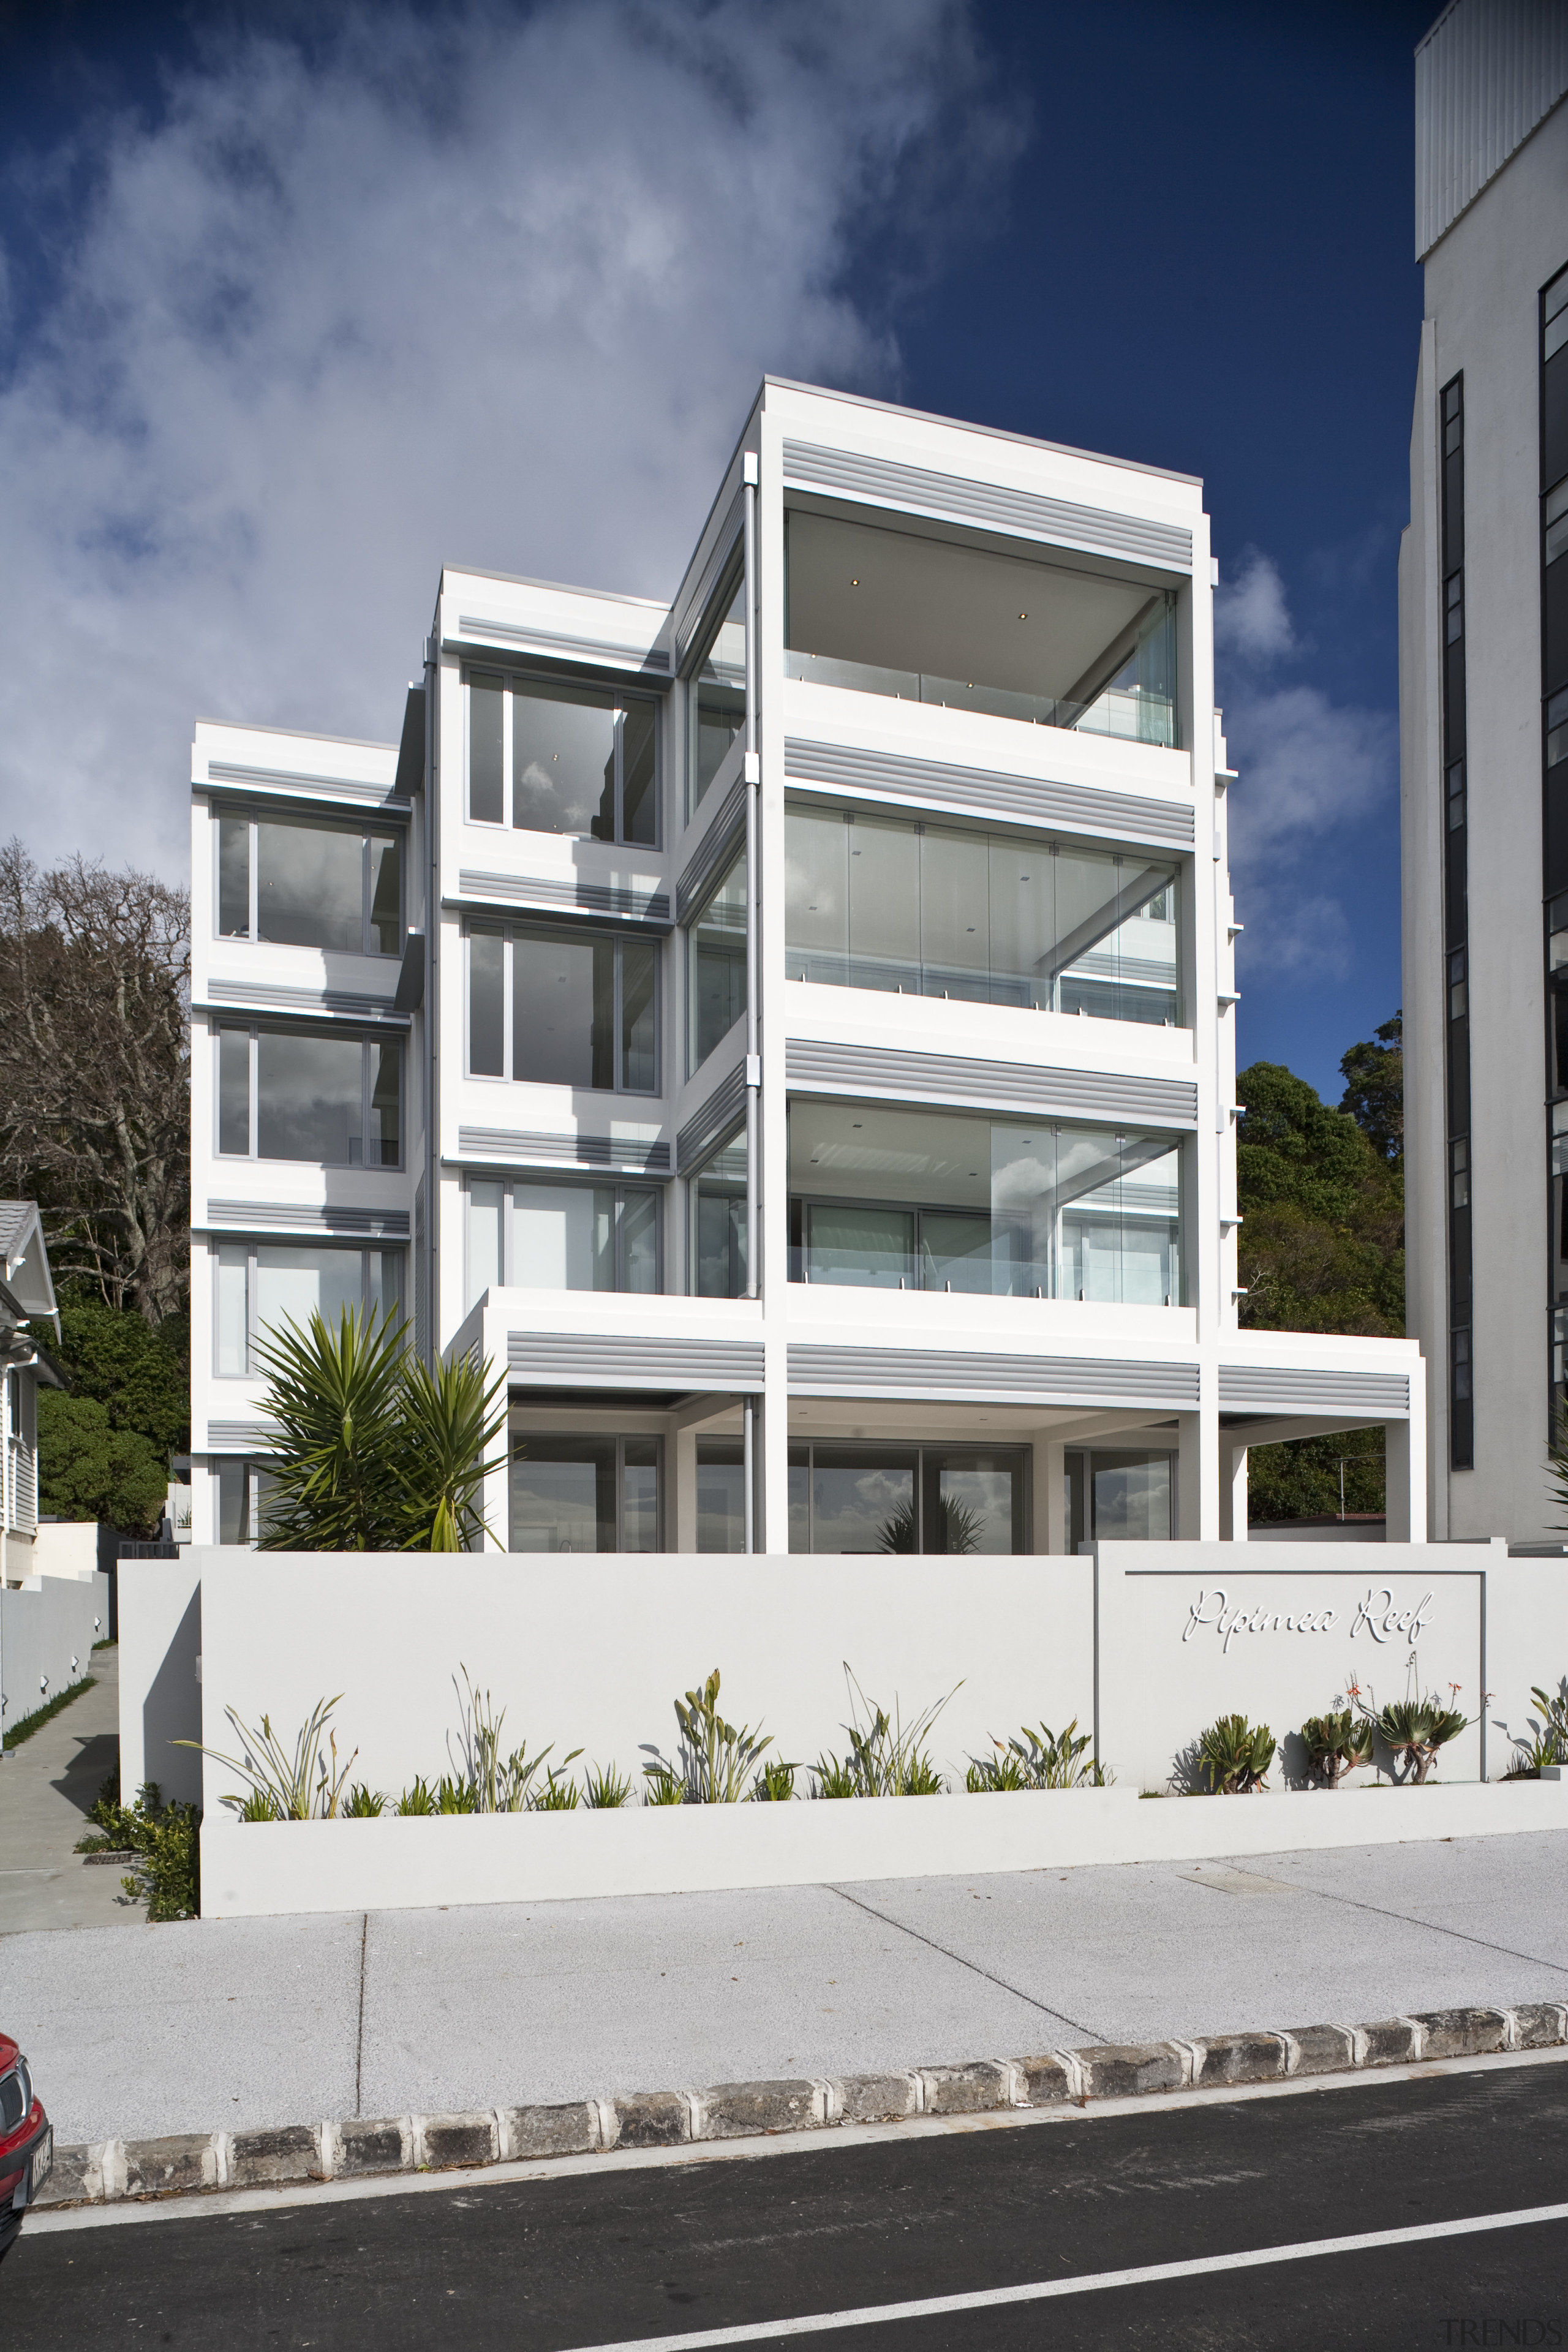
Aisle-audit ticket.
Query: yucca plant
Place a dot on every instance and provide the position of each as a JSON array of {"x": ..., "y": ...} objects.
[
  {"x": 951, "y": 1527},
  {"x": 1234, "y": 1755},
  {"x": 306, "y": 1786},
  {"x": 1337, "y": 1743},
  {"x": 376, "y": 1452},
  {"x": 714, "y": 1758}
]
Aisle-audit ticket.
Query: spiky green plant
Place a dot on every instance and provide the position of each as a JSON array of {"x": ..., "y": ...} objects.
[
  {"x": 498, "y": 1782},
  {"x": 1337, "y": 1743},
  {"x": 1547, "y": 1742},
  {"x": 306, "y": 1786},
  {"x": 376, "y": 1451},
  {"x": 1039, "y": 1758},
  {"x": 605, "y": 1788},
  {"x": 888, "y": 1758},
  {"x": 331, "y": 1397},
  {"x": 363, "y": 1804},
  {"x": 1234, "y": 1755},
  {"x": 419, "y": 1798},
  {"x": 455, "y": 1796},
  {"x": 954, "y": 1526},
  {"x": 714, "y": 1758},
  {"x": 665, "y": 1785},
  {"x": 559, "y": 1794},
  {"x": 774, "y": 1784}
]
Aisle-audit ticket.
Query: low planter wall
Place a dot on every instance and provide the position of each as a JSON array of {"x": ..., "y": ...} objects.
[{"x": 411, "y": 1862}]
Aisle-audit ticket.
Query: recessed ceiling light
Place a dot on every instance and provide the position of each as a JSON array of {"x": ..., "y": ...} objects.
[
  {"x": 855, "y": 583},
  {"x": 1023, "y": 616}
]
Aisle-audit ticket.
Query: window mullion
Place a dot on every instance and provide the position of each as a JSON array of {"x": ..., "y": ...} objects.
[
  {"x": 255, "y": 1095},
  {"x": 364, "y": 874},
  {"x": 617, "y": 1023},
  {"x": 509, "y": 1042},
  {"x": 506, "y": 736}
]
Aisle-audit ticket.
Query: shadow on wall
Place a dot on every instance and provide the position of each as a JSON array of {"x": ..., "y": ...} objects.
[{"x": 173, "y": 1710}]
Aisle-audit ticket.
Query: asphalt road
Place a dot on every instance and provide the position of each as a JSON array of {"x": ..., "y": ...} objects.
[{"x": 623, "y": 2256}]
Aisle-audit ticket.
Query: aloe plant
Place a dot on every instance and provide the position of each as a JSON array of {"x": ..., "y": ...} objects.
[
  {"x": 1234, "y": 1755},
  {"x": 1337, "y": 1743},
  {"x": 1417, "y": 1729}
]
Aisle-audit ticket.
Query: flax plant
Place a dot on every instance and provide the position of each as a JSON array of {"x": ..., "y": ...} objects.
[{"x": 306, "y": 1786}]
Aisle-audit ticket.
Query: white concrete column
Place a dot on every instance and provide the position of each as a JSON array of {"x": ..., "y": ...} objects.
[
  {"x": 1049, "y": 1501},
  {"x": 1232, "y": 1494},
  {"x": 1198, "y": 1476},
  {"x": 1404, "y": 1463}
]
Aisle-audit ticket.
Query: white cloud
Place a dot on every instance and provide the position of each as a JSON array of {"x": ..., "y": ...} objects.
[
  {"x": 476, "y": 287},
  {"x": 1251, "y": 618},
  {"x": 1310, "y": 773}
]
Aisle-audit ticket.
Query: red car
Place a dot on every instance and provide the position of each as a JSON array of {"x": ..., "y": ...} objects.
[{"x": 26, "y": 2142}]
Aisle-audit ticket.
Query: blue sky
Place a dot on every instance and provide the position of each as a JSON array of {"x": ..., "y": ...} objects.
[{"x": 298, "y": 303}]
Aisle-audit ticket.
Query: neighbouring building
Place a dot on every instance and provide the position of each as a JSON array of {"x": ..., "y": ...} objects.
[
  {"x": 790, "y": 1029},
  {"x": 1484, "y": 763},
  {"x": 27, "y": 1294}
]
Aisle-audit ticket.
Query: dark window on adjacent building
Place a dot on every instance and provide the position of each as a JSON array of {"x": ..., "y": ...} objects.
[
  {"x": 1456, "y": 923},
  {"x": 1554, "y": 798}
]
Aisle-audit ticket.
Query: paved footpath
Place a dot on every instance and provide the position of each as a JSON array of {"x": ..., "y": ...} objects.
[
  {"x": 237, "y": 2024},
  {"x": 46, "y": 1788}
]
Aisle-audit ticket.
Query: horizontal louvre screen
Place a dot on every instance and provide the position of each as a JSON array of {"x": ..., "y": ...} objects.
[
  {"x": 816, "y": 1370},
  {"x": 720, "y": 1110},
  {"x": 1293, "y": 1390},
  {"x": 829, "y": 1068},
  {"x": 580, "y": 1360},
  {"x": 563, "y": 1150},
  {"x": 295, "y": 1217},
  {"x": 646, "y": 905},
  {"x": 1027, "y": 800}
]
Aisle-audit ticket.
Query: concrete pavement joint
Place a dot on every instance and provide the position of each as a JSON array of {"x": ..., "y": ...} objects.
[
  {"x": 1433, "y": 1926},
  {"x": 186, "y": 2162},
  {"x": 353, "y": 2189},
  {"x": 932, "y": 1946}
]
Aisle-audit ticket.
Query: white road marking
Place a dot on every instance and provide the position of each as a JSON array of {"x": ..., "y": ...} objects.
[
  {"x": 215, "y": 2203},
  {"x": 818, "y": 2323}
]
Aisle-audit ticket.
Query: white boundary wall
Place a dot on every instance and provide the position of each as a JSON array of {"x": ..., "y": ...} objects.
[
  {"x": 47, "y": 1628},
  {"x": 1137, "y": 1642}
]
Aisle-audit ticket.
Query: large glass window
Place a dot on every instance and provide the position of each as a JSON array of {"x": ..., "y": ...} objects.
[
  {"x": 887, "y": 612},
  {"x": 716, "y": 964},
  {"x": 716, "y": 705},
  {"x": 261, "y": 1285},
  {"x": 913, "y": 1498},
  {"x": 923, "y": 1200},
  {"x": 720, "y": 1495},
  {"x": 580, "y": 760},
  {"x": 718, "y": 1198},
  {"x": 242, "y": 1491},
  {"x": 1119, "y": 1496},
  {"x": 993, "y": 918},
  {"x": 290, "y": 1094},
  {"x": 301, "y": 884},
  {"x": 585, "y": 1493},
  {"x": 562, "y": 1236},
  {"x": 579, "y": 1009}
]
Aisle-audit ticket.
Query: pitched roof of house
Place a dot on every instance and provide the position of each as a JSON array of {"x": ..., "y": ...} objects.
[{"x": 26, "y": 1286}]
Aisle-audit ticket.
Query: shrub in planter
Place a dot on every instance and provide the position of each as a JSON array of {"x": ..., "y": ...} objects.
[
  {"x": 604, "y": 1789},
  {"x": 774, "y": 1784},
  {"x": 887, "y": 1757},
  {"x": 1038, "y": 1758},
  {"x": 1234, "y": 1755},
  {"x": 301, "y": 1787},
  {"x": 165, "y": 1840},
  {"x": 1416, "y": 1728},
  {"x": 1546, "y": 1741},
  {"x": 1337, "y": 1743},
  {"x": 713, "y": 1758}
]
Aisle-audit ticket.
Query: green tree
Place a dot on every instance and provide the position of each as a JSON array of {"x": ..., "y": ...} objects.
[
  {"x": 1321, "y": 1248},
  {"x": 140, "y": 1374},
  {"x": 88, "y": 1469}
]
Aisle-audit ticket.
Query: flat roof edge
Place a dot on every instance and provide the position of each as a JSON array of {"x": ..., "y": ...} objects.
[
  {"x": 991, "y": 431},
  {"x": 301, "y": 734}
]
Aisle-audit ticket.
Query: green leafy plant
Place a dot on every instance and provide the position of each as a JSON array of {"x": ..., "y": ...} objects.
[
  {"x": 257, "y": 1807},
  {"x": 307, "y": 1786},
  {"x": 376, "y": 1451},
  {"x": 1546, "y": 1742},
  {"x": 456, "y": 1796},
  {"x": 559, "y": 1794},
  {"x": 887, "y": 1757},
  {"x": 774, "y": 1784},
  {"x": 417, "y": 1799},
  {"x": 165, "y": 1840},
  {"x": 1234, "y": 1755},
  {"x": 1337, "y": 1743},
  {"x": 604, "y": 1789},
  {"x": 499, "y": 1784},
  {"x": 714, "y": 1758},
  {"x": 665, "y": 1785},
  {"x": 363, "y": 1804},
  {"x": 1039, "y": 1758}
]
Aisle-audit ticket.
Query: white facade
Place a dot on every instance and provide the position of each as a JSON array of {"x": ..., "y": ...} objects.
[
  {"x": 1484, "y": 764},
  {"x": 967, "y": 754},
  {"x": 26, "y": 1293}
]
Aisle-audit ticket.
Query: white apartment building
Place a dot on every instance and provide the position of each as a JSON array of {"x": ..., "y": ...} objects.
[
  {"x": 1483, "y": 590},
  {"x": 789, "y": 1029}
]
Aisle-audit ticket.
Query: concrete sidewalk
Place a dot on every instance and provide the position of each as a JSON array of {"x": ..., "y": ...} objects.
[
  {"x": 235, "y": 2024},
  {"x": 46, "y": 1788}
]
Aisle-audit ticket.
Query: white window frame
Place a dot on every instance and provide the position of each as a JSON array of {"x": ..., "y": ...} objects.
[
  {"x": 280, "y": 1241},
  {"x": 619, "y": 703},
  {"x": 579, "y": 1179},
  {"x": 546, "y": 930},
  {"x": 368, "y": 1046},
  {"x": 253, "y": 817}
]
